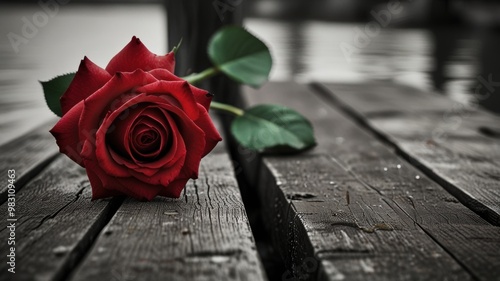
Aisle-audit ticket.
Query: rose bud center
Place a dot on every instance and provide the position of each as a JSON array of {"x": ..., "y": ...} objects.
[
  {"x": 146, "y": 138},
  {"x": 143, "y": 136}
]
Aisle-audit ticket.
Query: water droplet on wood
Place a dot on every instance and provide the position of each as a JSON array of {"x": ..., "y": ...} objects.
[{"x": 60, "y": 250}]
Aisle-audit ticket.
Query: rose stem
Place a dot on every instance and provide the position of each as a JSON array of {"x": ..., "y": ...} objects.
[
  {"x": 227, "y": 108},
  {"x": 198, "y": 77}
]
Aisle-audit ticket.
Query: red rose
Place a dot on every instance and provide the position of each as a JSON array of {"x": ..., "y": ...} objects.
[{"x": 138, "y": 129}]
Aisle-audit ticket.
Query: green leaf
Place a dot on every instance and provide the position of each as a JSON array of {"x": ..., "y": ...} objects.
[
  {"x": 54, "y": 89},
  {"x": 240, "y": 55},
  {"x": 267, "y": 127}
]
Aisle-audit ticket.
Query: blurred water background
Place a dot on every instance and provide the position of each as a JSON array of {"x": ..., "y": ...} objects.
[{"x": 447, "y": 47}]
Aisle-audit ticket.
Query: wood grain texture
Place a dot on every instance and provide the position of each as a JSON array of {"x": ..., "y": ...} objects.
[
  {"x": 204, "y": 235},
  {"x": 27, "y": 155},
  {"x": 347, "y": 211},
  {"x": 56, "y": 222},
  {"x": 455, "y": 144}
]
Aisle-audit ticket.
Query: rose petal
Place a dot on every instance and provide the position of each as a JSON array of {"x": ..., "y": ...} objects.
[
  {"x": 151, "y": 118},
  {"x": 136, "y": 56},
  {"x": 137, "y": 189},
  {"x": 98, "y": 190},
  {"x": 165, "y": 169},
  {"x": 176, "y": 145},
  {"x": 179, "y": 90},
  {"x": 194, "y": 139},
  {"x": 148, "y": 151},
  {"x": 102, "y": 152},
  {"x": 200, "y": 96},
  {"x": 174, "y": 189},
  {"x": 148, "y": 140},
  {"x": 107, "y": 185},
  {"x": 88, "y": 79},
  {"x": 212, "y": 136},
  {"x": 163, "y": 176},
  {"x": 116, "y": 126},
  {"x": 66, "y": 133},
  {"x": 165, "y": 75},
  {"x": 101, "y": 100},
  {"x": 120, "y": 166}
]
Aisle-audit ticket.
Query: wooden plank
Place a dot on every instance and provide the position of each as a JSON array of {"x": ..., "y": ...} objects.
[
  {"x": 56, "y": 223},
  {"x": 346, "y": 210},
  {"x": 454, "y": 144},
  {"x": 27, "y": 155},
  {"x": 204, "y": 235}
]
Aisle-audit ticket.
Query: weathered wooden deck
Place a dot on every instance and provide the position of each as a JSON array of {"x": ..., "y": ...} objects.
[
  {"x": 379, "y": 198},
  {"x": 403, "y": 185}
]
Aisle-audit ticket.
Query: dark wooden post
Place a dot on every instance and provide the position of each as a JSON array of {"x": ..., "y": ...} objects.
[{"x": 195, "y": 21}]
